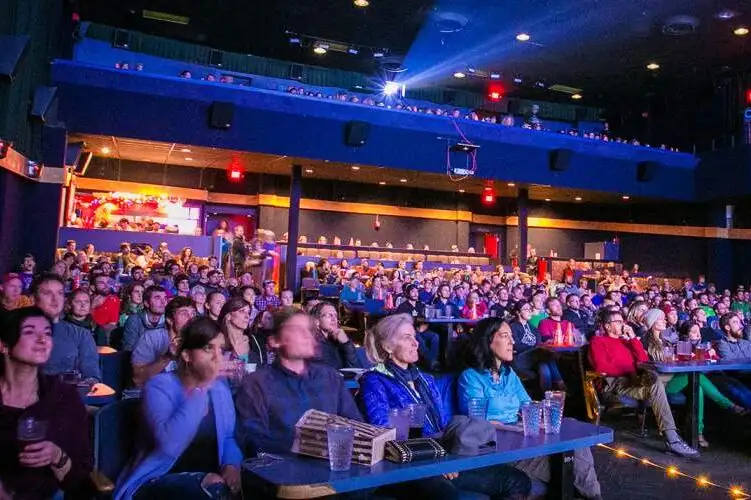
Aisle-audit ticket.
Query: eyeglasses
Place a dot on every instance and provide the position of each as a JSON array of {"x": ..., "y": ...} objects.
[{"x": 616, "y": 321}]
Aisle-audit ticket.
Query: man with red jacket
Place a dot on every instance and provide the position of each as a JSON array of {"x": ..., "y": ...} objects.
[{"x": 617, "y": 355}]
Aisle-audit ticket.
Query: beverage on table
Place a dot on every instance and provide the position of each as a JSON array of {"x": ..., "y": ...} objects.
[
  {"x": 416, "y": 420},
  {"x": 341, "y": 439},
  {"x": 477, "y": 407},
  {"x": 400, "y": 419},
  {"x": 552, "y": 412},
  {"x": 531, "y": 415}
]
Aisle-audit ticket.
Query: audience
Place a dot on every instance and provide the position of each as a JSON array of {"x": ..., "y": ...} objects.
[
  {"x": 188, "y": 447},
  {"x": 335, "y": 348},
  {"x": 150, "y": 318},
  {"x": 63, "y": 459}
]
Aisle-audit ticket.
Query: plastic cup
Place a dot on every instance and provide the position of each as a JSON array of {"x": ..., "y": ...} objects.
[
  {"x": 531, "y": 415},
  {"x": 559, "y": 396},
  {"x": 341, "y": 439},
  {"x": 477, "y": 408},
  {"x": 400, "y": 419},
  {"x": 553, "y": 416},
  {"x": 30, "y": 430},
  {"x": 668, "y": 353},
  {"x": 416, "y": 420}
]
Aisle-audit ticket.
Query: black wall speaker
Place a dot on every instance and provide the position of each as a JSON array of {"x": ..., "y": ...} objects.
[
  {"x": 513, "y": 106},
  {"x": 295, "y": 72},
  {"x": 221, "y": 115},
  {"x": 560, "y": 159},
  {"x": 646, "y": 171},
  {"x": 11, "y": 55},
  {"x": 356, "y": 133},
  {"x": 121, "y": 39},
  {"x": 44, "y": 106},
  {"x": 216, "y": 58}
]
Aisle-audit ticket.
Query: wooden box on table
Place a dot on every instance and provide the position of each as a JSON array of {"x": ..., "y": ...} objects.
[{"x": 311, "y": 438}]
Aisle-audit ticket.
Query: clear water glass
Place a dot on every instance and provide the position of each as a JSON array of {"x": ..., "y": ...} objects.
[
  {"x": 399, "y": 419},
  {"x": 559, "y": 396},
  {"x": 668, "y": 353},
  {"x": 477, "y": 408},
  {"x": 553, "y": 416},
  {"x": 341, "y": 440},
  {"x": 416, "y": 420},
  {"x": 531, "y": 415}
]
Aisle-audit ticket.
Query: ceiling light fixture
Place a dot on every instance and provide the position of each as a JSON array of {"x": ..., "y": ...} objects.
[
  {"x": 402, "y": 180},
  {"x": 321, "y": 48},
  {"x": 355, "y": 167},
  {"x": 185, "y": 150},
  {"x": 308, "y": 170},
  {"x": 495, "y": 76},
  {"x": 461, "y": 190},
  {"x": 576, "y": 97},
  {"x": 523, "y": 37},
  {"x": 459, "y": 74},
  {"x": 653, "y": 66},
  {"x": 547, "y": 199},
  {"x": 626, "y": 197},
  {"x": 382, "y": 183},
  {"x": 725, "y": 14},
  {"x": 578, "y": 198},
  {"x": 361, "y": 3},
  {"x": 740, "y": 31},
  {"x": 188, "y": 158},
  {"x": 511, "y": 184},
  {"x": 105, "y": 150}
]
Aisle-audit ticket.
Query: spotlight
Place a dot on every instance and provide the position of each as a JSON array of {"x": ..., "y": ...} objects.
[
  {"x": 308, "y": 170},
  {"x": 460, "y": 74},
  {"x": 578, "y": 198},
  {"x": 361, "y": 3},
  {"x": 518, "y": 80},
  {"x": 321, "y": 48},
  {"x": 653, "y": 66},
  {"x": 105, "y": 150},
  {"x": 741, "y": 31},
  {"x": 725, "y": 14},
  {"x": 576, "y": 97},
  {"x": 471, "y": 70},
  {"x": 540, "y": 84},
  {"x": 295, "y": 40},
  {"x": 355, "y": 168},
  {"x": 353, "y": 51},
  {"x": 495, "y": 76},
  {"x": 523, "y": 37},
  {"x": 392, "y": 88},
  {"x": 402, "y": 180},
  {"x": 4, "y": 148},
  {"x": 379, "y": 54}
]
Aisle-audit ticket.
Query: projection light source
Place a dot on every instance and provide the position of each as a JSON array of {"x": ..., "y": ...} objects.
[
  {"x": 393, "y": 88},
  {"x": 321, "y": 48}
]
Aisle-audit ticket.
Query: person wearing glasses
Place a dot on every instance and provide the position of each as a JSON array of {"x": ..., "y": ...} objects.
[
  {"x": 530, "y": 361},
  {"x": 617, "y": 354}
]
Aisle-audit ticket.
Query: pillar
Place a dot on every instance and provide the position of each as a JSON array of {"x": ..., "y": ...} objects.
[
  {"x": 293, "y": 228},
  {"x": 522, "y": 201},
  {"x": 720, "y": 250}
]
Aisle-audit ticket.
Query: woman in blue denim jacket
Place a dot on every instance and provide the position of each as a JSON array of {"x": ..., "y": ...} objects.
[
  {"x": 491, "y": 351},
  {"x": 396, "y": 382}
]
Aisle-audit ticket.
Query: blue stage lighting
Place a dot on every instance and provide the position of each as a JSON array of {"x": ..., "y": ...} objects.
[
  {"x": 495, "y": 76},
  {"x": 392, "y": 88},
  {"x": 353, "y": 50}
]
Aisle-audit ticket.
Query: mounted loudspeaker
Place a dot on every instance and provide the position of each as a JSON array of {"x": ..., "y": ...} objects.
[
  {"x": 646, "y": 171},
  {"x": 559, "y": 160}
]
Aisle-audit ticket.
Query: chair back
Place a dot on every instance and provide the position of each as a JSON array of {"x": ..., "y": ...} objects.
[
  {"x": 329, "y": 291},
  {"x": 113, "y": 368},
  {"x": 374, "y": 306},
  {"x": 115, "y": 433}
]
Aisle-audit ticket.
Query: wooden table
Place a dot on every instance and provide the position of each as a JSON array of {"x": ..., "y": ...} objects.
[
  {"x": 693, "y": 369},
  {"x": 447, "y": 336},
  {"x": 294, "y": 476}
]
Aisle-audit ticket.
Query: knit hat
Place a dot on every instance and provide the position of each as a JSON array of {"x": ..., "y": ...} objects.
[{"x": 651, "y": 317}]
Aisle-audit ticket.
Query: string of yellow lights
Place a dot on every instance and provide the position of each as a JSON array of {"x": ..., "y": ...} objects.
[{"x": 673, "y": 472}]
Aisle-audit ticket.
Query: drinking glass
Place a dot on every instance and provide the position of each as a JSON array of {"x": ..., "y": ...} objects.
[
  {"x": 448, "y": 312},
  {"x": 438, "y": 313},
  {"x": 416, "y": 420},
  {"x": 341, "y": 439},
  {"x": 531, "y": 415},
  {"x": 477, "y": 407},
  {"x": 429, "y": 312},
  {"x": 400, "y": 419},
  {"x": 684, "y": 350},
  {"x": 668, "y": 353},
  {"x": 553, "y": 416},
  {"x": 559, "y": 396},
  {"x": 30, "y": 430}
]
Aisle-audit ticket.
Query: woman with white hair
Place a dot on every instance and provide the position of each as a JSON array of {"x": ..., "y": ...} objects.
[
  {"x": 654, "y": 320},
  {"x": 396, "y": 382}
]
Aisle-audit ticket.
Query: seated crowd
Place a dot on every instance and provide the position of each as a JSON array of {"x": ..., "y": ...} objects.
[{"x": 225, "y": 369}]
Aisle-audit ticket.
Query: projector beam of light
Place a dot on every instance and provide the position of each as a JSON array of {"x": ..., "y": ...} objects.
[
  {"x": 435, "y": 56},
  {"x": 392, "y": 89}
]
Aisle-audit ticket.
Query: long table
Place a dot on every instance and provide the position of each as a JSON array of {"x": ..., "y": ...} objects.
[
  {"x": 294, "y": 476},
  {"x": 693, "y": 369}
]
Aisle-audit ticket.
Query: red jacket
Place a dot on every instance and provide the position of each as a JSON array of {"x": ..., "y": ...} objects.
[
  {"x": 616, "y": 357},
  {"x": 548, "y": 326}
]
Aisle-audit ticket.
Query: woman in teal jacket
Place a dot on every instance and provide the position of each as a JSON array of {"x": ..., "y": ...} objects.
[
  {"x": 490, "y": 376},
  {"x": 187, "y": 449}
]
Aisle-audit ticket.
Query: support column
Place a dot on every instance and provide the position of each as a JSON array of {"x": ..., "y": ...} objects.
[
  {"x": 720, "y": 250},
  {"x": 293, "y": 228},
  {"x": 522, "y": 209}
]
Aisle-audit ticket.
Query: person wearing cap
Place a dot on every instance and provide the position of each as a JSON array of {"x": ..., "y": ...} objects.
[
  {"x": 412, "y": 304},
  {"x": 12, "y": 297},
  {"x": 396, "y": 382},
  {"x": 489, "y": 357},
  {"x": 670, "y": 335},
  {"x": 654, "y": 319}
]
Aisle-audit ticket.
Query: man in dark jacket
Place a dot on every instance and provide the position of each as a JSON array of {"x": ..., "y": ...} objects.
[
  {"x": 335, "y": 348},
  {"x": 151, "y": 318}
]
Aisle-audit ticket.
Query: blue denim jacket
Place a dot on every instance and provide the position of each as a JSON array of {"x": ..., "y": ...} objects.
[{"x": 504, "y": 397}]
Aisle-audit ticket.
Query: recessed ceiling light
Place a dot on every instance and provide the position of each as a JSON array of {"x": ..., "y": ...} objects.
[
  {"x": 361, "y": 3},
  {"x": 725, "y": 14},
  {"x": 576, "y": 97},
  {"x": 459, "y": 74},
  {"x": 321, "y": 48},
  {"x": 185, "y": 150},
  {"x": 461, "y": 190},
  {"x": 578, "y": 198},
  {"x": 547, "y": 199},
  {"x": 382, "y": 183},
  {"x": 402, "y": 180},
  {"x": 653, "y": 66},
  {"x": 308, "y": 170},
  {"x": 523, "y": 37},
  {"x": 105, "y": 150},
  {"x": 188, "y": 158},
  {"x": 355, "y": 167},
  {"x": 626, "y": 197},
  {"x": 511, "y": 184},
  {"x": 741, "y": 31}
]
